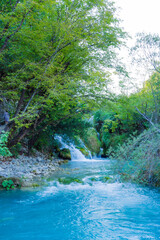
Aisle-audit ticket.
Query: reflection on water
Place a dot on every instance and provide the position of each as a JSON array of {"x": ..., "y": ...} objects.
[{"x": 92, "y": 210}]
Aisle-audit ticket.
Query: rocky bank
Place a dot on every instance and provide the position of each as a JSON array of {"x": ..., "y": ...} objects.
[{"x": 28, "y": 171}]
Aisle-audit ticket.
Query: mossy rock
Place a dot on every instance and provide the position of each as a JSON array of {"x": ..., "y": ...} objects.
[
  {"x": 67, "y": 181},
  {"x": 34, "y": 185},
  {"x": 62, "y": 162},
  {"x": 93, "y": 179},
  {"x": 57, "y": 149},
  {"x": 91, "y": 141},
  {"x": 65, "y": 154},
  {"x": 102, "y": 179},
  {"x": 105, "y": 179},
  {"x": 84, "y": 152}
]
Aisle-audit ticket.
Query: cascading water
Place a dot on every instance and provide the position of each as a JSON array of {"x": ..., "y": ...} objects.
[{"x": 75, "y": 153}]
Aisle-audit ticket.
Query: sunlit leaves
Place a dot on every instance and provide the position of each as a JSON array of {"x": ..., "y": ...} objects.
[{"x": 53, "y": 55}]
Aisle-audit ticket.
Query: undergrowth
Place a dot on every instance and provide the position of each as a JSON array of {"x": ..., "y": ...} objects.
[
  {"x": 138, "y": 159},
  {"x": 4, "y": 151}
]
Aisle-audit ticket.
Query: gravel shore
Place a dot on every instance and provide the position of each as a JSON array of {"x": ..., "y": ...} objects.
[{"x": 29, "y": 170}]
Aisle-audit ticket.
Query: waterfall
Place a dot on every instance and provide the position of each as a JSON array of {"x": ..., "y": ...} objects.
[{"x": 75, "y": 153}]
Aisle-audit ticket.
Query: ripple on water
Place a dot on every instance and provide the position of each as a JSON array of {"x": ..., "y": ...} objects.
[{"x": 90, "y": 211}]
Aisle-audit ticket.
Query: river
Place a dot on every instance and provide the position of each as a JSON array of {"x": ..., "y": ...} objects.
[{"x": 97, "y": 209}]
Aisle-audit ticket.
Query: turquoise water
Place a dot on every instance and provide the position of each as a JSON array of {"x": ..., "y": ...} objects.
[{"x": 94, "y": 210}]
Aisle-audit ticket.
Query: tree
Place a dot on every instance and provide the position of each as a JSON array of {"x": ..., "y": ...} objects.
[
  {"x": 151, "y": 93},
  {"x": 147, "y": 52},
  {"x": 51, "y": 56}
]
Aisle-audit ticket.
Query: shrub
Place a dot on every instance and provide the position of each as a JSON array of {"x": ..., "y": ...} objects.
[
  {"x": 8, "y": 184},
  {"x": 4, "y": 151},
  {"x": 16, "y": 149},
  {"x": 65, "y": 154},
  {"x": 138, "y": 158}
]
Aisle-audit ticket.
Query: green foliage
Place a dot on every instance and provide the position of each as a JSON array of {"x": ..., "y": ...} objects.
[
  {"x": 118, "y": 119},
  {"x": 84, "y": 152},
  {"x": 152, "y": 92},
  {"x": 65, "y": 154},
  {"x": 135, "y": 150},
  {"x": 51, "y": 56},
  {"x": 44, "y": 141},
  {"x": 91, "y": 141},
  {"x": 110, "y": 125},
  {"x": 74, "y": 126},
  {"x": 4, "y": 151},
  {"x": 110, "y": 129},
  {"x": 8, "y": 184},
  {"x": 138, "y": 159},
  {"x": 15, "y": 150}
]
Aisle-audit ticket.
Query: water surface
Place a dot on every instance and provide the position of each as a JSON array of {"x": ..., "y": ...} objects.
[{"x": 92, "y": 210}]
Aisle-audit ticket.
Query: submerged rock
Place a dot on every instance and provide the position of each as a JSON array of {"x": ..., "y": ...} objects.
[{"x": 69, "y": 180}]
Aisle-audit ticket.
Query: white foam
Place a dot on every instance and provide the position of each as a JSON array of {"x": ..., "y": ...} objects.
[{"x": 75, "y": 153}]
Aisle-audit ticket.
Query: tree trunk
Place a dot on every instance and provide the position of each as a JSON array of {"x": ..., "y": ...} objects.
[
  {"x": 18, "y": 137},
  {"x": 31, "y": 142},
  {"x": 20, "y": 103}
]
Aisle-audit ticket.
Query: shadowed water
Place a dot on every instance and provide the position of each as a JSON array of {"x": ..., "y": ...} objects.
[{"x": 92, "y": 210}]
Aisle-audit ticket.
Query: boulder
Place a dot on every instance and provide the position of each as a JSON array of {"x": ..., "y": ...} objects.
[{"x": 65, "y": 154}]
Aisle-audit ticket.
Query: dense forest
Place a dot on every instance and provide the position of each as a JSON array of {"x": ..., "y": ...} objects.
[{"x": 57, "y": 60}]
